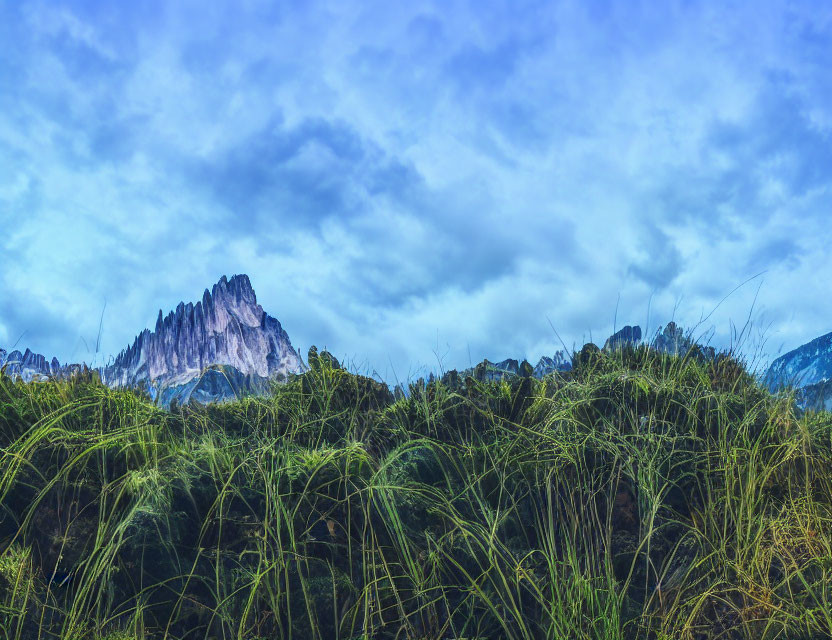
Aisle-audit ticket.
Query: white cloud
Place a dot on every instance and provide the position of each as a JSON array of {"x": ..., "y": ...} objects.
[{"x": 385, "y": 173}]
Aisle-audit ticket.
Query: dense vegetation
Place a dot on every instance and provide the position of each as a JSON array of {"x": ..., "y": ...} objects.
[{"x": 641, "y": 495}]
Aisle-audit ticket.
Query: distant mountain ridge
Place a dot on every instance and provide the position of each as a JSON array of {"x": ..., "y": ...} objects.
[
  {"x": 220, "y": 347},
  {"x": 226, "y": 345},
  {"x": 668, "y": 339},
  {"x": 807, "y": 368},
  {"x": 33, "y": 366},
  {"x": 488, "y": 370}
]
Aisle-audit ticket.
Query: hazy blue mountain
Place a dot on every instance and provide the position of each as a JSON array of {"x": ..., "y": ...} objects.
[
  {"x": 216, "y": 383},
  {"x": 510, "y": 367},
  {"x": 546, "y": 365},
  {"x": 807, "y": 368},
  {"x": 670, "y": 339},
  {"x": 807, "y": 365}
]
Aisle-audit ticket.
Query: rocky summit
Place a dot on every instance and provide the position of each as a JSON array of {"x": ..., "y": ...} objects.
[
  {"x": 221, "y": 347},
  {"x": 629, "y": 335},
  {"x": 510, "y": 367},
  {"x": 227, "y": 327}
]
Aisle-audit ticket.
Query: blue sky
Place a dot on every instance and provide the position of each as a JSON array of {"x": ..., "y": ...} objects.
[{"x": 413, "y": 182}]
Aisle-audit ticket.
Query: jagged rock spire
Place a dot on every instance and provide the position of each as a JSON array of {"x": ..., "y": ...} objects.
[{"x": 226, "y": 327}]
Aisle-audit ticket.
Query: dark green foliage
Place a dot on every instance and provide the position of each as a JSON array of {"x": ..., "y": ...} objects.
[{"x": 641, "y": 495}]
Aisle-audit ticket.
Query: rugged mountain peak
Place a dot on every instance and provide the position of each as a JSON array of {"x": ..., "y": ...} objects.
[
  {"x": 668, "y": 339},
  {"x": 226, "y": 334},
  {"x": 226, "y": 327},
  {"x": 511, "y": 367},
  {"x": 672, "y": 339}
]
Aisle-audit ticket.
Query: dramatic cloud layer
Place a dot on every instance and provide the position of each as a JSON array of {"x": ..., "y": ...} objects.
[{"x": 415, "y": 183}]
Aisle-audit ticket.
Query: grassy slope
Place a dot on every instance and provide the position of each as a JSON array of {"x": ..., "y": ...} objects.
[{"x": 639, "y": 496}]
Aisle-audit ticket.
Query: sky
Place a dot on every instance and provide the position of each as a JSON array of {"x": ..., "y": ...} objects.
[{"x": 416, "y": 185}]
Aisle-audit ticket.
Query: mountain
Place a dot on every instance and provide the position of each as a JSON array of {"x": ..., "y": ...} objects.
[
  {"x": 627, "y": 335},
  {"x": 218, "y": 348},
  {"x": 547, "y": 365},
  {"x": 809, "y": 369},
  {"x": 670, "y": 339},
  {"x": 216, "y": 383},
  {"x": 807, "y": 365},
  {"x": 227, "y": 327},
  {"x": 29, "y": 366},
  {"x": 816, "y": 396}
]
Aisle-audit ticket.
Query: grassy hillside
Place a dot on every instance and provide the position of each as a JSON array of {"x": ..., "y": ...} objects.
[{"x": 638, "y": 496}]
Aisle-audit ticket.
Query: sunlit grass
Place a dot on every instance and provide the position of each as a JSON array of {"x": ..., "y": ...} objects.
[{"x": 638, "y": 496}]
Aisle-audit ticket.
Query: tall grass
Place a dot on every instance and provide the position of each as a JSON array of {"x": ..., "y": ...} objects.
[{"x": 641, "y": 495}]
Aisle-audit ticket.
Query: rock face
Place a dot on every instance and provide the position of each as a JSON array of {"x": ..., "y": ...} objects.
[
  {"x": 671, "y": 340},
  {"x": 221, "y": 347}
]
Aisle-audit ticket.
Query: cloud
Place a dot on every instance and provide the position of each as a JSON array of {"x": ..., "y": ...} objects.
[
  {"x": 385, "y": 173},
  {"x": 660, "y": 261},
  {"x": 775, "y": 154},
  {"x": 303, "y": 174},
  {"x": 35, "y": 323},
  {"x": 474, "y": 68},
  {"x": 775, "y": 252}
]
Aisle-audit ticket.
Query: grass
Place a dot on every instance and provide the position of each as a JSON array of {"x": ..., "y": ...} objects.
[{"x": 640, "y": 495}]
